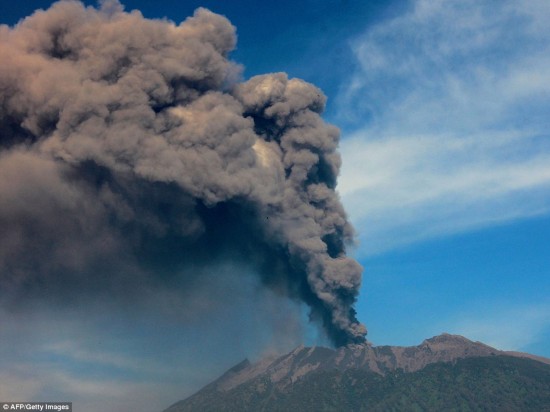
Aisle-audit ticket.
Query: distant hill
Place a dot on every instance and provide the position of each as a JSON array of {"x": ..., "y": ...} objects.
[{"x": 444, "y": 373}]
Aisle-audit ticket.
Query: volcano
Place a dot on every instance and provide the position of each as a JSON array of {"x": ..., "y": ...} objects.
[{"x": 445, "y": 372}]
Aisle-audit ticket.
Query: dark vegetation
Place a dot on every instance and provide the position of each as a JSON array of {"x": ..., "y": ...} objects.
[{"x": 497, "y": 383}]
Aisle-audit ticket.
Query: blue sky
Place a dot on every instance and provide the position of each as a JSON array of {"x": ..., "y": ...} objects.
[
  {"x": 443, "y": 108},
  {"x": 446, "y": 170}
]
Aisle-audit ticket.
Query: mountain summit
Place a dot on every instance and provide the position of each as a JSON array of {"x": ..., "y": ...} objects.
[{"x": 348, "y": 377}]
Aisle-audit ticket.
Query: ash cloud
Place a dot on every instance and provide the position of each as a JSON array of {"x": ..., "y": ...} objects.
[{"x": 130, "y": 155}]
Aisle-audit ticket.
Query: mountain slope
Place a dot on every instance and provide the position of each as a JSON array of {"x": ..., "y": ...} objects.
[{"x": 443, "y": 373}]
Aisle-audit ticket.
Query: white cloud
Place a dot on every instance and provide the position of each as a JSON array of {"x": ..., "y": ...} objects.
[
  {"x": 447, "y": 121},
  {"x": 410, "y": 188}
]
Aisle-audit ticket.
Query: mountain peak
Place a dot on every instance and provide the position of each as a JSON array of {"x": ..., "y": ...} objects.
[
  {"x": 447, "y": 337},
  {"x": 446, "y": 341},
  {"x": 286, "y": 369},
  {"x": 282, "y": 373},
  {"x": 451, "y": 340}
]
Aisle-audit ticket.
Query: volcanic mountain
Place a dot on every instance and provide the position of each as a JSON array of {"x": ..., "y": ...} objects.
[{"x": 446, "y": 372}]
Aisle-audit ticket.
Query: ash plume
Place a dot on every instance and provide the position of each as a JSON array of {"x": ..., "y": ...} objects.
[{"x": 130, "y": 154}]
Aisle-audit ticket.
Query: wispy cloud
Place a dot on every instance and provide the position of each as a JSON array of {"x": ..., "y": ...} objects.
[
  {"x": 93, "y": 369},
  {"x": 75, "y": 354},
  {"x": 503, "y": 326},
  {"x": 141, "y": 359},
  {"x": 27, "y": 382},
  {"x": 447, "y": 121}
]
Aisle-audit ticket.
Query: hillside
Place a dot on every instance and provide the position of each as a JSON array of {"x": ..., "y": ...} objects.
[{"x": 443, "y": 373}]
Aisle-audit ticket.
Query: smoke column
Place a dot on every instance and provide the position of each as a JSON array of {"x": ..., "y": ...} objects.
[{"x": 130, "y": 151}]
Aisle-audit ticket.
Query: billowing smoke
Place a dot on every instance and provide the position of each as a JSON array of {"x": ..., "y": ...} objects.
[{"x": 131, "y": 155}]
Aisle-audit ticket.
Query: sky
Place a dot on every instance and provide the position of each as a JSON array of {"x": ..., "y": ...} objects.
[{"x": 442, "y": 109}]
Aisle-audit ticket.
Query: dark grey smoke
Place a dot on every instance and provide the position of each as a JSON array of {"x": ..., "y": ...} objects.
[{"x": 130, "y": 154}]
